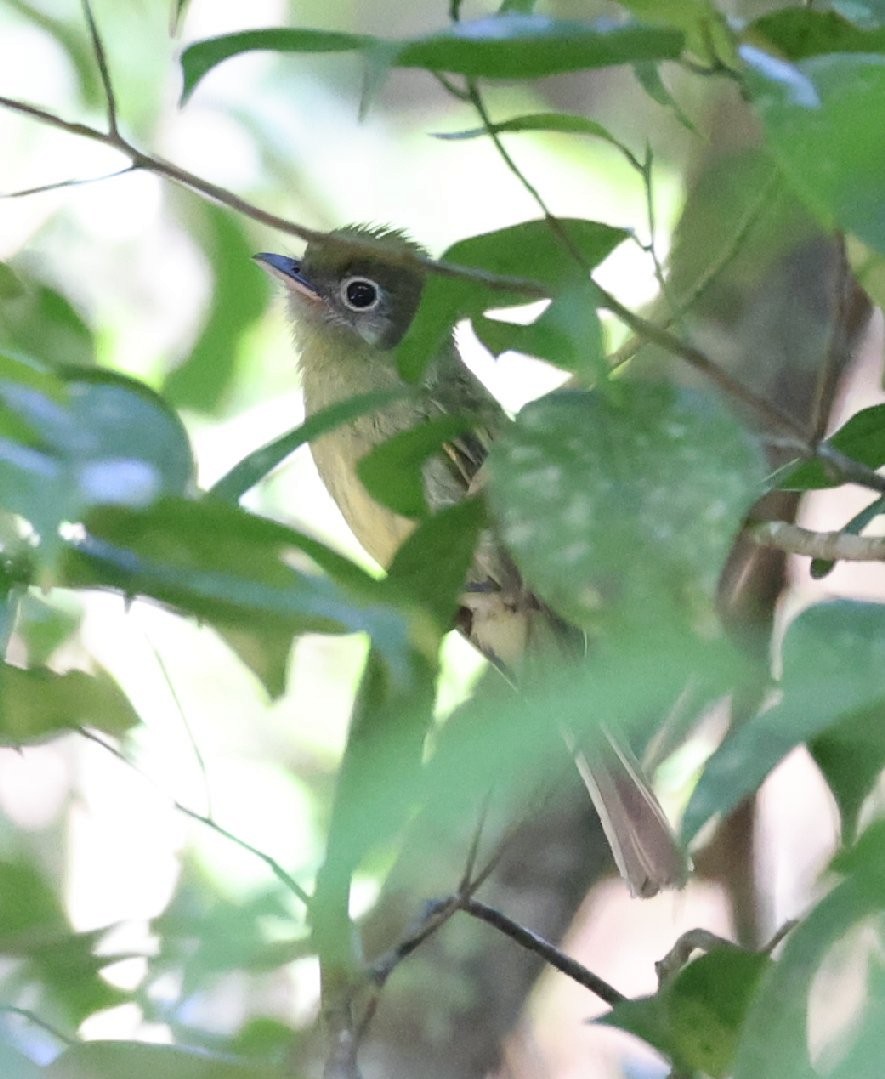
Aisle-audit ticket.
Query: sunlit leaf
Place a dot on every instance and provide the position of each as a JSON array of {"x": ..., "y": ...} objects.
[
  {"x": 833, "y": 670},
  {"x": 89, "y": 437},
  {"x": 510, "y": 46},
  {"x": 610, "y": 502},
  {"x": 230, "y": 567},
  {"x": 558, "y": 260},
  {"x": 824, "y": 118}
]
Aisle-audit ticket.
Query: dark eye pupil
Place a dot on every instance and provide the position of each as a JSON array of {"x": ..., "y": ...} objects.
[{"x": 361, "y": 294}]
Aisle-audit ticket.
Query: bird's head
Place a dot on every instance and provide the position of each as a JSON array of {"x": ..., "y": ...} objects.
[{"x": 333, "y": 290}]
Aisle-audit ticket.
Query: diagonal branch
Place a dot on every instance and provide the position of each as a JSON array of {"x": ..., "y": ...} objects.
[{"x": 101, "y": 60}]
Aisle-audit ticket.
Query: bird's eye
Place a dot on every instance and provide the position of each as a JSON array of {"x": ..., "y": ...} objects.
[{"x": 360, "y": 294}]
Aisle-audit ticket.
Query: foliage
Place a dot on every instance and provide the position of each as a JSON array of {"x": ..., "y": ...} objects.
[{"x": 618, "y": 500}]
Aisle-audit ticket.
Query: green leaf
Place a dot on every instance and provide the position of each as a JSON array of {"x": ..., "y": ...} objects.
[
  {"x": 568, "y": 333},
  {"x": 776, "y": 1036},
  {"x": 517, "y": 46},
  {"x": 509, "y": 46},
  {"x": 706, "y": 30},
  {"x": 230, "y": 567},
  {"x": 432, "y": 564},
  {"x": 648, "y": 75},
  {"x": 552, "y": 122},
  {"x": 820, "y": 567},
  {"x": 40, "y": 704},
  {"x": 851, "y": 757},
  {"x": 15, "y": 1066},
  {"x": 254, "y": 467},
  {"x": 237, "y": 299},
  {"x": 609, "y": 502},
  {"x": 861, "y": 438},
  {"x": 41, "y": 324},
  {"x": 824, "y": 118},
  {"x": 696, "y": 1019},
  {"x": 97, "y": 437},
  {"x": 135, "y": 1060},
  {"x": 797, "y": 33},
  {"x": 393, "y": 473},
  {"x": 531, "y": 250},
  {"x": 833, "y": 671}
]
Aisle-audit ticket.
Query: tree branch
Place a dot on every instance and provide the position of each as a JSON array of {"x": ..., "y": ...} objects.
[{"x": 829, "y": 546}]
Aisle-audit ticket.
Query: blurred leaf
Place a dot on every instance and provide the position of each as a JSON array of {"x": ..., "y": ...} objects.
[
  {"x": 567, "y": 333},
  {"x": 775, "y": 1038},
  {"x": 833, "y": 671},
  {"x": 203, "y": 380},
  {"x": 74, "y": 44},
  {"x": 40, "y": 704},
  {"x": 696, "y": 1019},
  {"x": 98, "y": 438},
  {"x": 798, "y": 33},
  {"x": 510, "y": 742},
  {"x": 264, "y": 651},
  {"x": 58, "y": 961},
  {"x": 609, "y": 502},
  {"x": 862, "y": 438},
  {"x": 39, "y": 323},
  {"x": 11, "y": 285},
  {"x": 15, "y": 1066},
  {"x": 44, "y": 624},
  {"x": 509, "y": 46},
  {"x": 256, "y": 465},
  {"x": 137, "y": 1060},
  {"x": 530, "y": 250},
  {"x": 179, "y": 9},
  {"x": 648, "y": 75},
  {"x": 433, "y": 563},
  {"x": 862, "y": 12},
  {"x": 706, "y": 30},
  {"x": 392, "y": 471},
  {"x": 851, "y": 757},
  {"x": 228, "y": 566},
  {"x": 29, "y": 907},
  {"x": 824, "y": 118},
  {"x": 556, "y": 122}
]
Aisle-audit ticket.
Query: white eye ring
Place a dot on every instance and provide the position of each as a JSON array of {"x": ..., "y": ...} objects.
[{"x": 360, "y": 293}]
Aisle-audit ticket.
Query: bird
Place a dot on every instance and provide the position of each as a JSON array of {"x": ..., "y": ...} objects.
[{"x": 351, "y": 302}]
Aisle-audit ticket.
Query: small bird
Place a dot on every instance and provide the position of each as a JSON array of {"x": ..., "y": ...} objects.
[{"x": 350, "y": 309}]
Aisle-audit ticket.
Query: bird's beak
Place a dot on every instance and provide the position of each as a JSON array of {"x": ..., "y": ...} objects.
[{"x": 288, "y": 270}]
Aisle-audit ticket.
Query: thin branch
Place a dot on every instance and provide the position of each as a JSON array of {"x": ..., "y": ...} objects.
[
  {"x": 727, "y": 253},
  {"x": 31, "y": 1017},
  {"x": 532, "y": 942},
  {"x": 101, "y": 60},
  {"x": 57, "y": 185},
  {"x": 829, "y": 546},
  {"x": 274, "y": 866}
]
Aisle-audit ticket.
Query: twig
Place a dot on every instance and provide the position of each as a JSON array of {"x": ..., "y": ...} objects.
[
  {"x": 57, "y": 185},
  {"x": 829, "y": 546},
  {"x": 274, "y": 866},
  {"x": 548, "y": 952},
  {"x": 103, "y": 69},
  {"x": 727, "y": 252}
]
